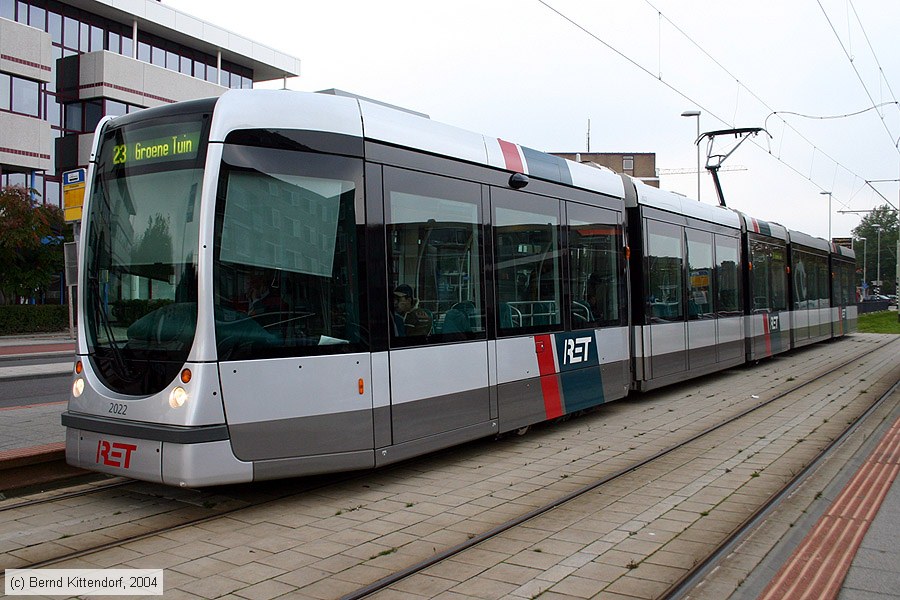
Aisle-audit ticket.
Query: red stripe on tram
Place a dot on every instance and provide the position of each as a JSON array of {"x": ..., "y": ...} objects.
[
  {"x": 511, "y": 156},
  {"x": 543, "y": 347}
]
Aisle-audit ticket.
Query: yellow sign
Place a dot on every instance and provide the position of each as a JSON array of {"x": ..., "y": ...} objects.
[{"x": 73, "y": 194}]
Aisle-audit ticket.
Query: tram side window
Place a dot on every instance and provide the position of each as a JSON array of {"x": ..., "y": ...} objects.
[
  {"x": 839, "y": 283},
  {"x": 435, "y": 265},
  {"x": 665, "y": 256},
  {"x": 805, "y": 288},
  {"x": 728, "y": 280},
  {"x": 779, "y": 278},
  {"x": 287, "y": 266},
  {"x": 767, "y": 276},
  {"x": 595, "y": 249},
  {"x": 848, "y": 284},
  {"x": 761, "y": 275},
  {"x": 700, "y": 271},
  {"x": 824, "y": 277},
  {"x": 529, "y": 273}
]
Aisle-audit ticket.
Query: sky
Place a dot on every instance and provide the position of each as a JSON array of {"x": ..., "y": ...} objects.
[{"x": 536, "y": 72}]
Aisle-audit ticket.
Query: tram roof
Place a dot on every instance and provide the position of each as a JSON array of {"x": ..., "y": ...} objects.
[
  {"x": 361, "y": 117},
  {"x": 682, "y": 205},
  {"x": 843, "y": 251},
  {"x": 764, "y": 227},
  {"x": 804, "y": 239}
]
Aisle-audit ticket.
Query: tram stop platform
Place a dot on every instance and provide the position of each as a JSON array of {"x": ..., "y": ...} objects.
[{"x": 832, "y": 535}]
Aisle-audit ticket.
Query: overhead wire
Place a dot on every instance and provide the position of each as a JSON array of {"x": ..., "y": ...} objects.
[
  {"x": 773, "y": 111},
  {"x": 696, "y": 102},
  {"x": 858, "y": 74},
  {"x": 872, "y": 50}
]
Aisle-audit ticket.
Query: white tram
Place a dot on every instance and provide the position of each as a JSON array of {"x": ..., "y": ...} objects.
[{"x": 277, "y": 283}]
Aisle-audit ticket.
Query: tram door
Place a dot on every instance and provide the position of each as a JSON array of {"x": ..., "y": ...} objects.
[
  {"x": 439, "y": 349},
  {"x": 665, "y": 298},
  {"x": 288, "y": 309},
  {"x": 702, "y": 323}
]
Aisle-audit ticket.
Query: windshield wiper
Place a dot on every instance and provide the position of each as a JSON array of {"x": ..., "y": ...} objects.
[{"x": 118, "y": 358}]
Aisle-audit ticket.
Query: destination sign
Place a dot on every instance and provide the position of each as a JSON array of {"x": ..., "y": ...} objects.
[{"x": 134, "y": 147}]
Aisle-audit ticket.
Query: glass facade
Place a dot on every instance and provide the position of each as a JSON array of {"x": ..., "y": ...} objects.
[{"x": 73, "y": 31}]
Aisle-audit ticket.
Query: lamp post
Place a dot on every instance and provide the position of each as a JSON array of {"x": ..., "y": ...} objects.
[
  {"x": 829, "y": 214},
  {"x": 696, "y": 113},
  {"x": 878, "y": 262},
  {"x": 865, "y": 279}
]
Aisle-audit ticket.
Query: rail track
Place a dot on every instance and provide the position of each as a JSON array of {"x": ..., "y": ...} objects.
[
  {"x": 692, "y": 575},
  {"x": 179, "y": 509}
]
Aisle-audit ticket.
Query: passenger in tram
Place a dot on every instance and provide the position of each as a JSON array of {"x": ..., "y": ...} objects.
[
  {"x": 592, "y": 293},
  {"x": 590, "y": 310},
  {"x": 409, "y": 318}
]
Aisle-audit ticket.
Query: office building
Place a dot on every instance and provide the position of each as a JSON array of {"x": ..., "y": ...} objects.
[{"x": 66, "y": 64}]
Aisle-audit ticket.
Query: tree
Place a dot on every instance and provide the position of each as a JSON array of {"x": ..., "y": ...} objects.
[
  {"x": 31, "y": 244},
  {"x": 884, "y": 218}
]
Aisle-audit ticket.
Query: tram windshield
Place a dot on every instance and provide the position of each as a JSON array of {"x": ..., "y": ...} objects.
[{"x": 140, "y": 256}]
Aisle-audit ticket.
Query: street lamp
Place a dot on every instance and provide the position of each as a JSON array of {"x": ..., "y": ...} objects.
[
  {"x": 696, "y": 113},
  {"x": 865, "y": 279},
  {"x": 878, "y": 253},
  {"x": 829, "y": 214}
]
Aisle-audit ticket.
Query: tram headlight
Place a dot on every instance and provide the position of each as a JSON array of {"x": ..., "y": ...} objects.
[
  {"x": 178, "y": 396},
  {"x": 78, "y": 387}
]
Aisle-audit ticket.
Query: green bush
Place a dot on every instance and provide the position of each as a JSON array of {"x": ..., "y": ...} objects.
[{"x": 16, "y": 319}]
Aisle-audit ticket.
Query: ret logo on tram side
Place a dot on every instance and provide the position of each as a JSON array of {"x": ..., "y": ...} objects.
[{"x": 577, "y": 350}]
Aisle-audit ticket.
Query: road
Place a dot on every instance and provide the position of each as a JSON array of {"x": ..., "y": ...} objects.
[{"x": 34, "y": 390}]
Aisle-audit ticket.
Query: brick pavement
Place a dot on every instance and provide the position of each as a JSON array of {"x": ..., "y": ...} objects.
[{"x": 336, "y": 539}]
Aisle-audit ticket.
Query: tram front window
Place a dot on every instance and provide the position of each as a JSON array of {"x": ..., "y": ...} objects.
[
  {"x": 287, "y": 254},
  {"x": 140, "y": 286}
]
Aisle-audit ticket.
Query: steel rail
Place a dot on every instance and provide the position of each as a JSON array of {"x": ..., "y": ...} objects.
[{"x": 396, "y": 577}]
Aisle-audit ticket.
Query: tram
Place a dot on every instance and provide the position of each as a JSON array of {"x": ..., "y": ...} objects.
[{"x": 276, "y": 284}]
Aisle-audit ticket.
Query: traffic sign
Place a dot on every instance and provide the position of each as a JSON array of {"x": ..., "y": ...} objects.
[{"x": 73, "y": 194}]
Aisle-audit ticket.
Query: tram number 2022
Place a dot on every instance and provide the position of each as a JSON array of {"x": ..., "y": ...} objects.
[{"x": 116, "y": 408}]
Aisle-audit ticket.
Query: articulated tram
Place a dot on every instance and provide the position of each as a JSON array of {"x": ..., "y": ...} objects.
[{"x": 277, "y": 283}]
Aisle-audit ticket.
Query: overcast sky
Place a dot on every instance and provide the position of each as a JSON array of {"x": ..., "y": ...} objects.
[{"x": 516, "y": 69}]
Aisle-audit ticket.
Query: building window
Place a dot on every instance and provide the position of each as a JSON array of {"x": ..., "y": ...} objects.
[
  {"x": 628, "y": 163},
  {"x": 5, "y": 91},
  {"x": 8, "y": 9},
  {"x": 20, "y": 95}
]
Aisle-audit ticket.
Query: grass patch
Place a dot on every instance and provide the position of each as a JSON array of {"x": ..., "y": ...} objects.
[{"x": 879, "y": 322}]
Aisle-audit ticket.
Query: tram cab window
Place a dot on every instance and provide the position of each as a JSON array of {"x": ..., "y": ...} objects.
[
  {"x": 728, "y": 279},
  {"x": 700, "y": 271},
  {"x": 595, "y": 251},
  {"x": 435, "y": 246},
  {"x": 529, "y": 271},
  {"x": 665, "y": 256},
  {"x": 287, "y": 254}
]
